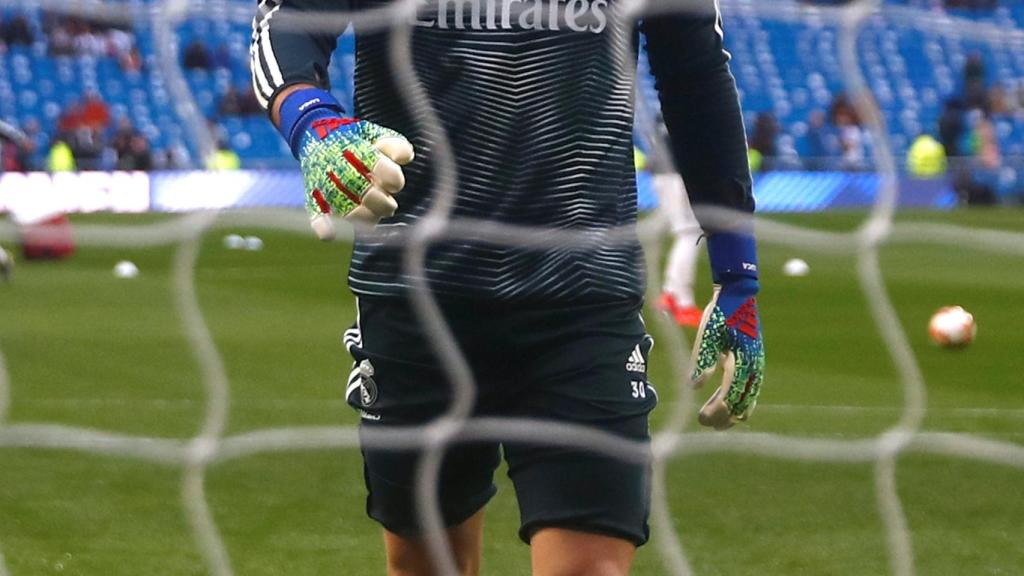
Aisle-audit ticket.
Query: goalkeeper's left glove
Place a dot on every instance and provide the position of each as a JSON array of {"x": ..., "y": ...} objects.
[{"x": 730, "y": 332}]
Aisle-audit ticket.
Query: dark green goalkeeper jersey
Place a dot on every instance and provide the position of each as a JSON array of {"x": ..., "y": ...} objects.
[{"x": 536, "y": 100}]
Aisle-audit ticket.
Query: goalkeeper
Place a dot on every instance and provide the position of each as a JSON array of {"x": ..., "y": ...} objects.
[{"x": 538, "y": 109}]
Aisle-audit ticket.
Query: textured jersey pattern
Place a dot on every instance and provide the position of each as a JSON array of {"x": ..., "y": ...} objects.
[{"x": 539, "y": 114}]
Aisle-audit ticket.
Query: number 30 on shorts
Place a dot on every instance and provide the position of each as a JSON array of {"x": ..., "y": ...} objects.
[{"x": 639, "y": 389}]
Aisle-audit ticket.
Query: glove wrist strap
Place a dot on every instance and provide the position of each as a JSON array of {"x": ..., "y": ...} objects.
[
  {"x": 733, "y": 257},
  {"x": 300, "y": 109}
]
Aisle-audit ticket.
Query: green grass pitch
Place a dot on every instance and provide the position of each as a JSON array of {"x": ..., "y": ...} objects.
[{"x": 86, "y": 349}]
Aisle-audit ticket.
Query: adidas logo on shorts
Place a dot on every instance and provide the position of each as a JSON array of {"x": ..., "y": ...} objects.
[{"x": 635, "y": 362}]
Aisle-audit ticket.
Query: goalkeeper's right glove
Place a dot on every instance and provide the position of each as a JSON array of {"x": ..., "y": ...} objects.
[{"x": 349, "y": 166}]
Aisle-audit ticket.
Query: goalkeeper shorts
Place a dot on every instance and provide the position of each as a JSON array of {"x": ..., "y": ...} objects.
[{"x": 583, "y": 365}]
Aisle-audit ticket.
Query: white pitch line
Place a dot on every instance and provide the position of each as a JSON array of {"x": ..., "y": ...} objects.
[{"x": 3, "y": 566}]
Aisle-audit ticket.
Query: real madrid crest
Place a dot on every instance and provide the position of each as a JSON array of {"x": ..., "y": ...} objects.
[{"x": 367, "y": 386}]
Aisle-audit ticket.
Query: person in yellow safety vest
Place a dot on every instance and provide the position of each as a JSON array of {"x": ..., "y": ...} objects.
[
  {"x": 926, "y": 158},
  {"x": 61, "y": 158},
  {"x": 639, "y": 159},
  {"x": 755, "y": 159},
  {"x": 224, "y": 159}
]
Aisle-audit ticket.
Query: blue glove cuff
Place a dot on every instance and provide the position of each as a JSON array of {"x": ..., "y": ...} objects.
[
  {"x": 300, "y": 109},
  {"x": 733, "y": 257}
]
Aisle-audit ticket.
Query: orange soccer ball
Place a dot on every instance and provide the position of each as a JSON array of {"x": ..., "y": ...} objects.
[{"x": 952, "y": 327}]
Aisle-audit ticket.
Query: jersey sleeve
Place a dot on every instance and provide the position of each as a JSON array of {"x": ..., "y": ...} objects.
[
  {"x": 700, "y": 106},
  {"x": 283, "y": 53}
]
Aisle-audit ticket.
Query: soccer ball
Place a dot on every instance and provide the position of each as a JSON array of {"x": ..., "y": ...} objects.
[
  {"x": 6, "y": 265},
  {"x": 952, "y": 327},
  {"x": 126, "y": 269},
  {"x": 234, "y": 242}
]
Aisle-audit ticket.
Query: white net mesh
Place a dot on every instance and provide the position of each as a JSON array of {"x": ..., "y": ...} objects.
[{"x": 210, "y": 446}]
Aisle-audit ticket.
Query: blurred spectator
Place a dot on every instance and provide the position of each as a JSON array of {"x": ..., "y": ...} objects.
[
  {"x": 986, "y": 145},
  {"x": 851, "y": 146},
  {"x": 843, "y": 112},
  {"x": 763, "y": 139},
  {"x": 926, "y": 158},
  {"x": 820, "y": 142},
  {"x": 121, "y": 141},
  {"x": 119, "y": 43},
  {"x": 87, "y": 146},
  {"x": 236, "y": 102},
  {"x": 94, "y": 112},
  {"x": 16, "y": 149},
  {"x": 91, "y": 113},
  {"x": 79, "y": 36},
  {"x": 754, "y": 160},
  {"x": 197, "y": 56},
  {"x": 979, "y": 181},
  {"x": 70, "y": 118},
  {"x": 975, "y": 92},
  {"x": 60, "y": 42},
  {"x": 222, "y": 58},
  {"x": 16, "y": 31},
  {"x": 951, "y": 127},
  {"x": 851, "y": 136},
  {"x": 230, "y": 103},
  {"x": 1000, "y": 102},
  {"x": 131, "y": 62},
  {"x": 12, "y": 157},
  {"x": 224, "y": 158},
  {"x": 972, "y": 4},
  {"x": 61, "y": 157},
  {"x": 173, "y": 158},
  {"x": 131, "y": 148},
  {"x": 137, "y": 156}
]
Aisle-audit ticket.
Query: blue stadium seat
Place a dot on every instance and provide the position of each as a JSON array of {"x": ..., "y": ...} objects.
[{"x": 788, "y": 68}]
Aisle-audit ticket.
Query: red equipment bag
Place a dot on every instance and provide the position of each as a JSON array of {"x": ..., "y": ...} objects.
[{"x": 48, "y": 239}]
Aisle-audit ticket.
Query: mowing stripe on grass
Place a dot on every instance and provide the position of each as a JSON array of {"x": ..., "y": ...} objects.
[
  {"x": 964, "y": 412},
  {"x": 298, "y": 403},
  {"x": 5, "y": 401},
  {"x": 5, "y": 393},
  {"x": 215, "y": 380}
]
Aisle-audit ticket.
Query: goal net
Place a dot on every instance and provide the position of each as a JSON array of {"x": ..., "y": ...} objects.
[{"x": 859, "y": 49}]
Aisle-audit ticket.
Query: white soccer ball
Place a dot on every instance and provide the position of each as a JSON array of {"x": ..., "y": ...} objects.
[
  {"x": 952, "y": 327},
  {"x": 253, "y": 243},
  {"x": 126, "y": 269},
  {"x": 234, "y": 242},
  {"x": 796, "y": 267}
]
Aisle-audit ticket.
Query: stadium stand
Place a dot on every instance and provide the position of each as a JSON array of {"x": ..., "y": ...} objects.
[{"x": 788, "y": 72}]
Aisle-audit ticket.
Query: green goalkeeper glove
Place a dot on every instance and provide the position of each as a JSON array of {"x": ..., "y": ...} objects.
[
  {"x": 730, "y": 333},
  {"x": 351, "y": 167}
]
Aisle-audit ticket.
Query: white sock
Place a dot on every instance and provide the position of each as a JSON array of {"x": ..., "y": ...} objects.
[{"x": 681, "y": 269}]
